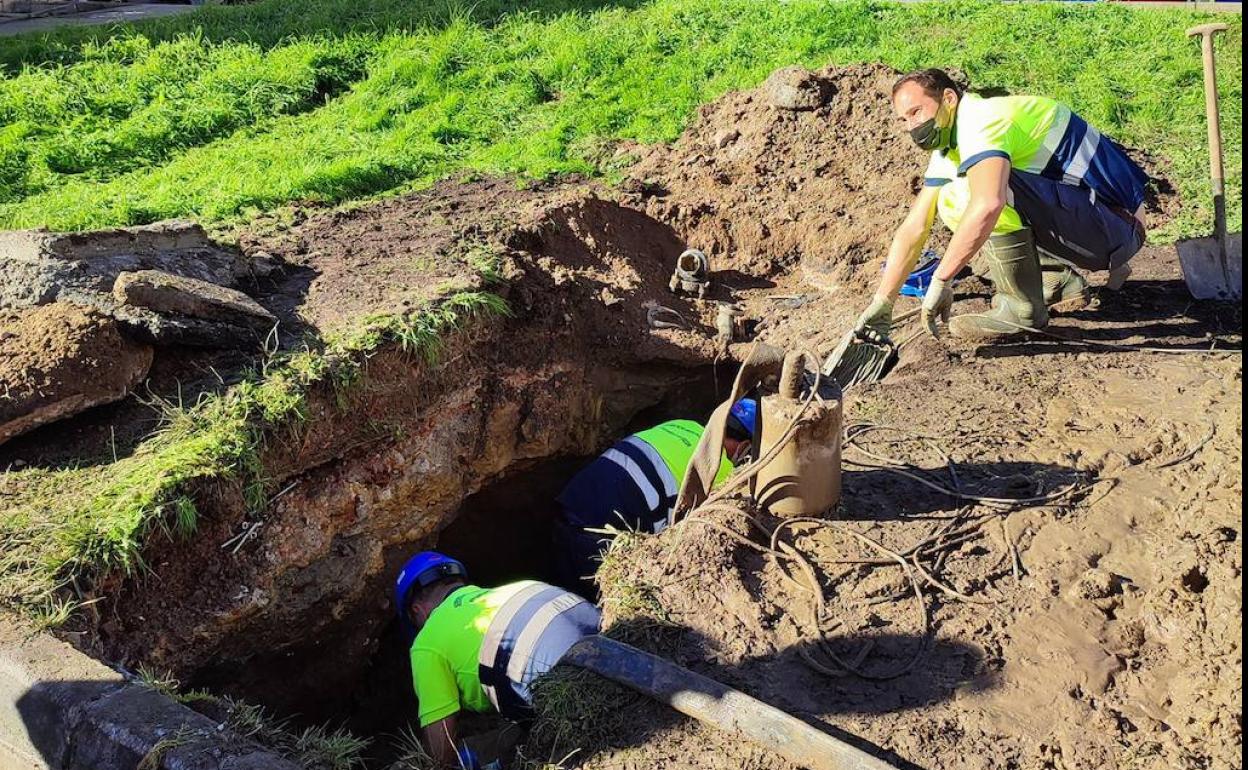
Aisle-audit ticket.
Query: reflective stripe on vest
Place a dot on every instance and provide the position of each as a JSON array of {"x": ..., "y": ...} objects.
[
  {"x": 526, "y": 643},
  {"x": 636, "y": 474},
  {"x": 645, "y": 466},
  {"x": 1078, "y": 166},
  {"x": 1053, "y": 139},
  {"x": 647, "y": 457},
  {"x": 488, "y": 655}
]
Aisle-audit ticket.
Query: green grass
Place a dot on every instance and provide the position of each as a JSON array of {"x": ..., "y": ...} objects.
[
  {"x": 60, "y": 528},
  {"x": 319, "y": 747},
  {"x": 236, "y": 110}
]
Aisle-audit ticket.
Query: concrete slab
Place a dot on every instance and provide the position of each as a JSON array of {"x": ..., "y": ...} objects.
[
  {"x": 42, "y": 683},
  {"x": 62, "y": 710}
]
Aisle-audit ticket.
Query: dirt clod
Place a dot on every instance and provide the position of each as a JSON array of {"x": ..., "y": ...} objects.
[
  {"x": 796, "y": 88},
  {"x": 60, "y": 359}
]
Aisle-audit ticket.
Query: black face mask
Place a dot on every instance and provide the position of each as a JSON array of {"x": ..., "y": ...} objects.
[
  {"x": 926, "y": 135},
  {"x": 930, "y": 135}
]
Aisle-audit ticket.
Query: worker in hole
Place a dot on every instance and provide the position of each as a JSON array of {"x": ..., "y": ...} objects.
[
  {"x": 633, "y": 486},
  {"x": 1028, "y": 182},
  {"x": 480, "y": 650}
]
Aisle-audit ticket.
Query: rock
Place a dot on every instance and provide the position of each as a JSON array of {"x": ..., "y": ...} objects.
[
  {"x": 796, "y": 88},
  {"x": 178, "y": 295},
  {"x": 57, "y": 360},
  {"x": 38, "y": 267},
  {"x": 725, "y": 138},
  {"x": 262, "y": 264}
]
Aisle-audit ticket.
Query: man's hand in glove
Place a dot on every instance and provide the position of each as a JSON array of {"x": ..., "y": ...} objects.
[
  {"x": 937, "y": 304},
  {"x": 876, "y": 322}
]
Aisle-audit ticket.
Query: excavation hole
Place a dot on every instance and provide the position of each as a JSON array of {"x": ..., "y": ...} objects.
[{"x": 502, "y": 532}]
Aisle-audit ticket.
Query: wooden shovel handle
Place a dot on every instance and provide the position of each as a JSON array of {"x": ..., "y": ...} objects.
[
  {"x": 1214, "y": 120},
  {"x": 1206, "y": 29}
]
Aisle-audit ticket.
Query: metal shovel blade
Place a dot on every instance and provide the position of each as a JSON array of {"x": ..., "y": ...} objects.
[{"x": 1207, "y": 274}]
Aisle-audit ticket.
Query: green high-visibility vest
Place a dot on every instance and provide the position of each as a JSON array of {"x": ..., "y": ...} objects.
[{"x": 675, "y": 441}]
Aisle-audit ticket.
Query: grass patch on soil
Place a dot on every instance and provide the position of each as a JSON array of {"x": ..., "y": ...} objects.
[
  {"x": 235, "y": 110},
  {"x": 59, "y": 528},
  {"x": 319, "y": 747},
  {"x": 577, "y": 711}
]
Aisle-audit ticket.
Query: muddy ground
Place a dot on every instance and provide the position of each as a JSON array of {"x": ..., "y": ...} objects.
[
  {"x": 1112, "y": 641},
  {"x": 1117, "y": 643}
]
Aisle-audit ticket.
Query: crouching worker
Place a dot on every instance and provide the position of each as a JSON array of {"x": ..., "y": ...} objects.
[
  {"x": 1029, "y": 182},
  {"x": 633, "y": 486},
  {"x": 480, "y": 649}
]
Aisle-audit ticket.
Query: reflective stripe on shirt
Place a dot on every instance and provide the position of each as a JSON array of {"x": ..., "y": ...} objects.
[{"x": 636, "y": 474}]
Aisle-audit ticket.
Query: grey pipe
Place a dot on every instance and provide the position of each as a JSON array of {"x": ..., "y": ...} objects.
[{"x": 718, "y": 705}]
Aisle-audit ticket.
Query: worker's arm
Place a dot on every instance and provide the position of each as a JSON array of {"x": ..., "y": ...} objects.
[
  {"x": 877, "y": 320},
  {"x": 989, "y": 182},
  {"x": 908, "y": 243},
  {"x": 441, "y": 738}
]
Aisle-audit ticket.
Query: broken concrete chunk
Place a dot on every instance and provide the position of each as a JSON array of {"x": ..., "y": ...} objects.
[
  {"x": 38, "y": 267},
  {"x": 167, "y": 293},
  {"x": 60, "y": 359},
  {"x": 796, "y": 88},
  {"x": 187, "y": 305}
]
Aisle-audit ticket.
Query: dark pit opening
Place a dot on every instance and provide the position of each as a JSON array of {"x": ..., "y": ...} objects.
[{"x": 502, "y": 533}]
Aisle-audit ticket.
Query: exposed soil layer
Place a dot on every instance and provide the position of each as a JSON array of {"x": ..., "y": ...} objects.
[
  {"x": 57, "y": 360},
  {"x": 1114, "y": 647},
  {"x": 766, "y": 188}
]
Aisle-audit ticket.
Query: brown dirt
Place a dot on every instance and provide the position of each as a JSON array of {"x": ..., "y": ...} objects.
[
  {"x": 768, "y": 189},
  {"x": 60, "y": 359},
  {"x": 1117, "y": 647}
]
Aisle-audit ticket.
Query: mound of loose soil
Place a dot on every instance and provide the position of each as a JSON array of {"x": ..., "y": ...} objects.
[
  {"x": 57, "y": 360},
  {"x": 759, "y": 187},
  {"x": 810, "y": 169}
]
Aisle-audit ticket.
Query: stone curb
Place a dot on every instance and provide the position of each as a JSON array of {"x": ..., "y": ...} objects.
[{"x": 62, "y": 710}]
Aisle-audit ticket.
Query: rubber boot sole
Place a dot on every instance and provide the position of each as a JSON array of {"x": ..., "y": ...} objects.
[
  {"x": 972, "y": 328},
  {"x": 1072, "y": 304},
  {"x": 983, "y": 327}
]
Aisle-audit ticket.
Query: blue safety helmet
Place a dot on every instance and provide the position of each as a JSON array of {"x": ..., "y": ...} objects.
[
  {"x": 744, "y": 415},
  {"x": 423, "y": 569}
]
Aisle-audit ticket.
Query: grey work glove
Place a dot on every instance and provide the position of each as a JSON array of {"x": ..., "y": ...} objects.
[
  {"x": 937, "y": 304},
  {"x": 876, "y": 322}
]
